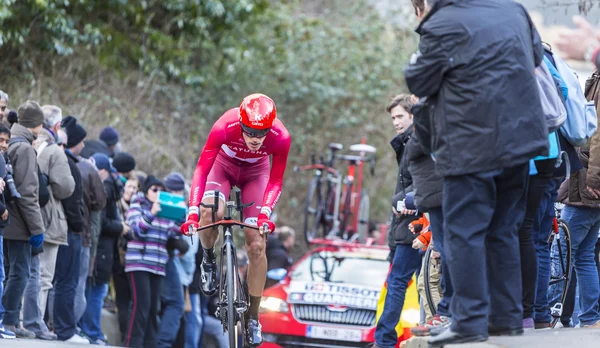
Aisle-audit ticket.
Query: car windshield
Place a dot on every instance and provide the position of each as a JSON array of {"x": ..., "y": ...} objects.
[{"x": 342, "y": 268}]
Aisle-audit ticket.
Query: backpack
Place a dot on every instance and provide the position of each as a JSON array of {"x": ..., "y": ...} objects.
[
  {"x": 582, "y": 121},
  {"x": 552, "y": 105},
  {"x": 592, "y": 89},
  {"x": 44, "y": 192}
]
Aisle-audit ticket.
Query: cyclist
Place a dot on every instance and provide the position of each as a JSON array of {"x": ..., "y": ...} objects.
[{"x": 237, "y": 153}]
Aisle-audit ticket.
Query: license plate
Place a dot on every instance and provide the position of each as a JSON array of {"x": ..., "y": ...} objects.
[{"x": 333, "y": 333}]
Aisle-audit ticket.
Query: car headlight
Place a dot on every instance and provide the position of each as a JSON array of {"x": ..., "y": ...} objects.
[
  {"x": 273, "y": 304},
  {"x": 410, "y": 317}
]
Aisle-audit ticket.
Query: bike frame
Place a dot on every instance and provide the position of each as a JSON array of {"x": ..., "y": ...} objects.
[{"x": 240, "y": 302}]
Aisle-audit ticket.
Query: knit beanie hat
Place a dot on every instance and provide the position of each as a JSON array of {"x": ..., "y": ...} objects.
[
  {"x": 75, "y": 132},
  {"x": 175, "y": 182},
  {"x": 110, "y": 136},
  {"x": 30, "y": 114},
  {"x": 124, "y": 162},
  {"x": 151, "y": 180}
]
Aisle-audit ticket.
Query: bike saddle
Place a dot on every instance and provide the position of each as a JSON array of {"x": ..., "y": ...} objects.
[
  {"x": 336, "y": 146},
  {"x": 363, "y": 148}
]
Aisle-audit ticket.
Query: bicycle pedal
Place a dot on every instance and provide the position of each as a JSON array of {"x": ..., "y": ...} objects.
[{"x": 556, "y": 310}]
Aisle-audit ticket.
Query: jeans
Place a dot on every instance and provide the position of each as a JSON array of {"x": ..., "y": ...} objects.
[
  {"x": 143, "y": 324},
  {"x": 407, "y": 261},
  {"x": 173, "y": 306},
  {"x": 19, "y": 260},
  {"x": 90, "y": 322},
  {"x": 529, "y": 268},
  {"x": 482, "y": 215},
  {"x": 2, "y": 275},
  {"x": 65, "y": 285},
  {"x": 80, "y": 295},
  {"x": 540, "y": 232},
  {"x": 47, "y": 270},
  {"x": 584, "y": 224},
  {"x": 436, "y": 220},
  {"x": 194, "y": 323},
  {"x": 32, "y": 315}
]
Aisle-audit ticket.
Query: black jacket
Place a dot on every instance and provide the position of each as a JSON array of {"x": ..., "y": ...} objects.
[
  {"x": 400, "y": 232},
  {"x": 427, "y": 184},
  {"x": 476, "y": 61},
  {"x": 110, "y": 229},
  {"x": 277, "y": 254},
  {"x": 73, "y": 206}
]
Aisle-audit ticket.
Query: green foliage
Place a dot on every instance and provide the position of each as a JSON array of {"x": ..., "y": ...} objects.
[{"x": 163, "y": 71}]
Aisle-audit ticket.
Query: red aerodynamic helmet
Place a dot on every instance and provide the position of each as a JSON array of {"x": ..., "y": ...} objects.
[{"x": 257, "y": 114}]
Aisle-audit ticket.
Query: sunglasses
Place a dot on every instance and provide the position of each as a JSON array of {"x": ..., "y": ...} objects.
[
  {"x": 3, "y": 108},
  {"x": 155, "y": 189},
  {"x": 255, "y": 133}
]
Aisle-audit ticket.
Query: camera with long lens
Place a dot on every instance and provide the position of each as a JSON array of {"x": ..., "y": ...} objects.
[{"x": 6, "y": 173}]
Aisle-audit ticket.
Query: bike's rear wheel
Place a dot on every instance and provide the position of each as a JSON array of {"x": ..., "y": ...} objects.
[
  {"x": 364, "y": 210},
  {"x": 232, "y": 296},
  {"x": 560, "y": 269},
  {"x": 313, "y": 213}
]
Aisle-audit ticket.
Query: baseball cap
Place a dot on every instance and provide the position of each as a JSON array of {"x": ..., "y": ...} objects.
[{"x": 102, "y": 162}]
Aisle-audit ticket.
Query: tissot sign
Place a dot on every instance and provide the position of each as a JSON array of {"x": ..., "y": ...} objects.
[{"x": 334, "y": 294}]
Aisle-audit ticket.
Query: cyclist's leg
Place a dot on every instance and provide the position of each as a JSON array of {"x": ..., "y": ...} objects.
[
  {"x": 217, "y": 180},
  {"x": 253, "y": 190}
]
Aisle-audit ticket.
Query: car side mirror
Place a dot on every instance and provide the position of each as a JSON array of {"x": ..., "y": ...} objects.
[{"x": 277, "y": 274}]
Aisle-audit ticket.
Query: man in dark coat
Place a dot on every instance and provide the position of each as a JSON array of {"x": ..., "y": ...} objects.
[
  {"x": 69, "y": 256},
  {"x": 279, "y": 246},
  {"x": 405, "y": 260},
  {"x": 476, "y": 63}
]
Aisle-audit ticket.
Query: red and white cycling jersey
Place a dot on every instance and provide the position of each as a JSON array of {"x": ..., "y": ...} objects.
[{"x": 226, "y": 143}]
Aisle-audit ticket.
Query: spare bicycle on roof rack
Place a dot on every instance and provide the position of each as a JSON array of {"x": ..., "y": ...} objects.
[{"x": 336, "y": 205}]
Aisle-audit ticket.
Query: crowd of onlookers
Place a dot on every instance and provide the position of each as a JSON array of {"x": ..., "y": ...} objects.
[
  {"x": 81, "y": 232},
  {"x": 497, "y": 130}
]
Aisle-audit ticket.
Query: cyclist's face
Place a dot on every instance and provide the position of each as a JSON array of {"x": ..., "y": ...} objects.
[
  {"x": 401, "y": 119},
  {"x": 253, "y": 143}
]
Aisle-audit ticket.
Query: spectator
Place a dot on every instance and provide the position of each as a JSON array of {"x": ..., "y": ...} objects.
[
  {"x": 581, "y": 44},
  {"x": 53, "y": 162},
  {"x": 4, "y": 220},
  {"x": 172, "y": 296},
  {"x": 146, "y": 265},
  {"x": 124, "y": 163},
  {"x": 406, "y": 261},
  {"x": 278, "y": 248},
  {"x": 428, "y": 187},
  {"x": 94, "y": 201},
  {"x": 112, "y": 226},
  {"x": 107, "y": 144},
  {"x": 120, "y": 282},
  {"x": 3, "y": 107},
  {"x": 463, "y": 56},
  {"x": 26, "y": 229},
  {"x": 69, "y": 256}
]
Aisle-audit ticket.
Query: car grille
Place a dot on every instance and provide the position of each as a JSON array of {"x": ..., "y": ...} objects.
[
  {"x": 305, "y": 342},
  {"x": 320, "y": 314}
]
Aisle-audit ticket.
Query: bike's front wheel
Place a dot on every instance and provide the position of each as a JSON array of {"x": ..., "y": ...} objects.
[{"x": 235, "y": 332}]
